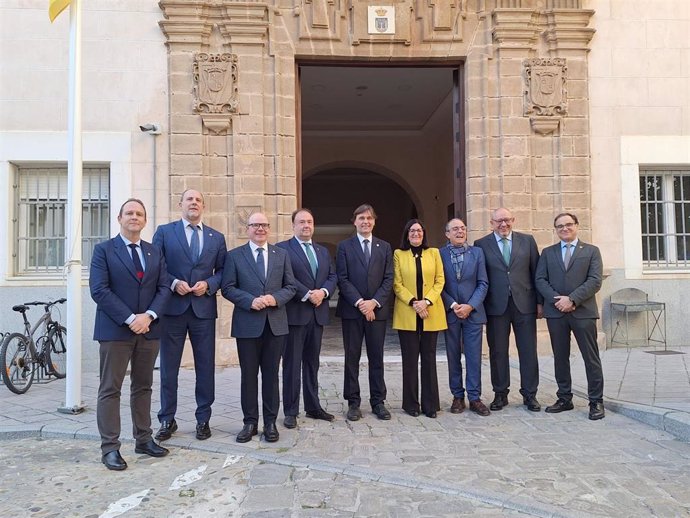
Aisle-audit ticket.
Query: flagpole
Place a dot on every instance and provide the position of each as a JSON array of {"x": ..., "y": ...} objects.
[{"x": 73, "y": 402}]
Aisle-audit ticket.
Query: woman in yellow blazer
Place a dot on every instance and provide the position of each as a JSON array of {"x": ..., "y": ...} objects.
[{"x": 418, "y": 315}]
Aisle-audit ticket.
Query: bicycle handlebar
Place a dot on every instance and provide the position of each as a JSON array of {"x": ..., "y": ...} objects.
[{"x": 46, "y": 304}]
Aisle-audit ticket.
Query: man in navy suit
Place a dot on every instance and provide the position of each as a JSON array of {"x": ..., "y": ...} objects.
[
  {"x": 258, "y": 280},
  {"x": 128, "y": 282},
  {"x": 364, "y": 266},
  {"x": 307, "y": 313},
  {"x": 194, "y": 255},
  {"x": 569, "y": 275},
  {"x": 463, "y": 297},
  {"x": 512, "y": 300}
]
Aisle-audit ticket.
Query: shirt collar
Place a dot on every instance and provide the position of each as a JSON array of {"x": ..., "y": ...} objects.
[
  {"x": 303, "y": 242},
  {"x": 188, "y": 223},
  {"x": 254, "y": 246},
  {"x": 128, "y": 242},
  {"x": 499, "y": 238},
  {"x": 574, "y": 243},
  {"x": 361, "y": 239}
]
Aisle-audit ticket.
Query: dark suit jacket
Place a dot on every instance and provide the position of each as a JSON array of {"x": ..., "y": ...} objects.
[
  {"x": 298, "y": 312},
  {"x": 471, "y": 289},
  {"x": 580, "y": 282},
  {"x": 357, "y": 281},
  {"x": 516, "y": 278},
  {"x": 171, "y": 238},
  {"x": 118, "y": 293},
  {"x": 241, "y": 284}
]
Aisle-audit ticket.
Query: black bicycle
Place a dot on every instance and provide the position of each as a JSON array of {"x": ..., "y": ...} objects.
[{"x": 23, "y": 358}]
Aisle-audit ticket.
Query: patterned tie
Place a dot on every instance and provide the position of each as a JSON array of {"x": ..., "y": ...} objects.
[
  {"x": 137, "y": 262},
  {"x": 194, "y": 242},
  {"x": 506, "y": 250},
  {"x": 312, "y": 259},
  {"x": 260, "y": 265},
  {"x": 367, "y": 252},
  {"x": 568, "y": 255}
]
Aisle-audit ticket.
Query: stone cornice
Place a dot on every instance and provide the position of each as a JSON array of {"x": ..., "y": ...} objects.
[
  {"x": 568, "y": 29},
  {"x": 191, "y": 21},
  {"x": 515, "y": 28}
]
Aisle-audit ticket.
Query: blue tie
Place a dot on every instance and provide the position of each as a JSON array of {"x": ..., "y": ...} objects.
[
  {"x": 260, "y": 263},
  {"x": 194, "y": 242},
  {"x": 137, "y": 262},
  {"x": 367, "y": 252}
]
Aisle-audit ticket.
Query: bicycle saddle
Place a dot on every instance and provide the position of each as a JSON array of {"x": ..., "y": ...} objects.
[{"x": 21, "y": 308}]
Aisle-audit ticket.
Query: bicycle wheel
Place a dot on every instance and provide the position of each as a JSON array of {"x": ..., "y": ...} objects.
[
  {"x": 17, "y": 364},
  {"x": 55, "y": 352}
]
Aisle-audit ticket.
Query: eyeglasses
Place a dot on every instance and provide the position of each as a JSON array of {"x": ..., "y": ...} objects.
[
  {"x": 565, "y": 225},
  {"x": 502, "y": 221},
  {"x": 456, "y": 229},
  {"x": 416, "y": 231},
  {"x": 257, "y": 226}
]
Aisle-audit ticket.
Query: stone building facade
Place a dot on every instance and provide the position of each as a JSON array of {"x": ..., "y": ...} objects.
[{"x": 538, "y": 90}]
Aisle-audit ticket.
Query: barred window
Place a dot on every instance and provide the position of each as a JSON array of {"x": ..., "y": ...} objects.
[
  {"x": 41, "y": 212},
  {"x": 665, "y": 210}
]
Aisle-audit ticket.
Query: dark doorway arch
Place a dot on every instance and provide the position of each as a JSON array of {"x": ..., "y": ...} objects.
[{"x": 333, "y": 194}]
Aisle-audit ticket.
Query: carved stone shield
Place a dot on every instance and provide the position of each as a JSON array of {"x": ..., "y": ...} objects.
[
  {"x": 215, "y": 78},
  {"x": 546, "y": 86}
]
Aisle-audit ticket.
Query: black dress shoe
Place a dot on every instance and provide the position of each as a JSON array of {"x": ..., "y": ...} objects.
[
  {"x": 353, "y": 412},
  {"x": 499, "y": 402},
  {"x": 271, "y": 432},
  {"x": 248, "y": 431},
  {"x": 203, "y": 431},
  {"x": 596, "y": 411},
  {"x": 114, "y": 461},
  {"x": 290, "y": 421},
  {"x": 166, "y": 430},
  {"x": 152, "y": 449},
  {"x": 532, "y": 404},
  {"x": 413, "y": 413},
  {"x": 320, "y": 414},
  {"x": 561, "y": 405},
  {"x": 381, "y": 412},
  {"x": 430, "y": 415}
]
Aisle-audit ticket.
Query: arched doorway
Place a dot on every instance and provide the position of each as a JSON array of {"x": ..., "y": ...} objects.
[{"x": 332, "y": 195}]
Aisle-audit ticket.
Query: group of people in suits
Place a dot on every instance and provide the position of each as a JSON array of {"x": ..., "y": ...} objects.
[{"x": 154, "y": 296}]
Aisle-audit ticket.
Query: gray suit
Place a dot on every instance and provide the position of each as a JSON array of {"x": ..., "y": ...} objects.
[
  {"x": 259, "y": 334},
  {"x": 512, "y": 301},
  {"x": 581, "y": 281}
]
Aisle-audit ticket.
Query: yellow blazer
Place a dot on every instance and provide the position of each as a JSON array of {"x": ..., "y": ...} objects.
[{"x": 405, "y": 288}]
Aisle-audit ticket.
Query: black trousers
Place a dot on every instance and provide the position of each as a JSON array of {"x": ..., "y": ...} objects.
[
  {"x": 301, "y": 364},
  {"x": 262, "y": 353},
  {"x": 414, "y": 344},
  {"x": 585, "y": 331},
  {"x": 354, "y": 331},
  {"x": 498, "y": 335}
]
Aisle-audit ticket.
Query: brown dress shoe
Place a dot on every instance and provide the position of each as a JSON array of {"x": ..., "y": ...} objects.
[
  {"x": 479, "y": 408},
  {"x": 458, "y": 406}
]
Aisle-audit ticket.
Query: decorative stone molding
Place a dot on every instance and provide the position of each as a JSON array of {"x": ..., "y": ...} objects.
[
  {"x": 215, "y": 89},
  {"x": 545, "y": 88},
  {"x": 515, "y": 28},
  {"x": 567, "y": 29},
  {"x": 546, "y": 95},
  {"x": 319, "y": 19},
  {"x": 442, "y": 20}
]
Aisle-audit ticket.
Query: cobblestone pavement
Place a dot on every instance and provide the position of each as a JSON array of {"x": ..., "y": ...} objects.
[
  {"x": 58, "y": 477},
  {"x": 511, "y": 463}
]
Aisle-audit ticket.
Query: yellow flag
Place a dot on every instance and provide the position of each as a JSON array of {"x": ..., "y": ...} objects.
[{"x": 55, "y": 7}]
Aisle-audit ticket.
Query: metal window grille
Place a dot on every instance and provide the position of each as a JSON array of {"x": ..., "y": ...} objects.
[
  {"x": 40, "y": 218},
  {"x": 665, "y": 212}
]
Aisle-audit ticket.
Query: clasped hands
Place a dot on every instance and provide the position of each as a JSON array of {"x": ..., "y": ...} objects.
[
  {"x": 462, "y": 311},
  {"x": 199, "y": 289},
  {"x": 141, "y": 323},
  {"x": 564, "y": 304},
  {"x": 421, "y": 308},
  {"x": 264, "y": 301},
  {"x": 367, "y": 307},
  {"x": 316, "y": 297}
]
